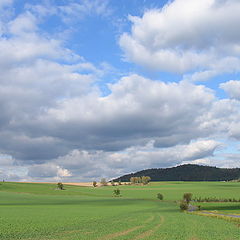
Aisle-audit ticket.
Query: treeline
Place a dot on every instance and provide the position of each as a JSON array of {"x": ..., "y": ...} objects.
[
  {"x": 133, "y": 180},
  {"x": 138, "y": 180},
  {"x": 187, "y": 172}
]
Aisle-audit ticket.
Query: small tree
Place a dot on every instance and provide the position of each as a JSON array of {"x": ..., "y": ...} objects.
[
  {"x": 116, "y": 192},
  {"x": 187, "y": 197},
  {"x": 94, "y": 183},
  {"x": 160, "y": 196},
  {"x": 60, "y": 186},
  {"x": 103, "y": 182},
  {"x": 145, "y": 179},
  {"x": 139, "y": 179},
  {"x": 132, "y": 180}
]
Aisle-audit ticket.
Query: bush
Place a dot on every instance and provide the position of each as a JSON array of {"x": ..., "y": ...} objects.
[
  {"x": 183, "y": 205},
  {"x": 116, "y": 192},
  {"x": 60, "y": 186},
  {"x": 160, "y": 196},
  {"x": 94, "y": 183},
  {"x": 187, "y": 197}
]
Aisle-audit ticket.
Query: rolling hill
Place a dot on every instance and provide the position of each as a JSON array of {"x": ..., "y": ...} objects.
[{"x": 187, "y": 172}]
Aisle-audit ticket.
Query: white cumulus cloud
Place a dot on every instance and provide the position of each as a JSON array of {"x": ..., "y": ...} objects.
[
  {"x": 232, "y": 88},
  {"x": 186, "y": 36}
]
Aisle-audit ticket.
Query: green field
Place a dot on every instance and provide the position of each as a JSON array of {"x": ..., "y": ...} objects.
[{"x": 39, "y": 211}]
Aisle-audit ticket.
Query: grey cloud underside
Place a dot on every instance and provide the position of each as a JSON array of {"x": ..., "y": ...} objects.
[
  {"x": 48, "y": 109},
  {"x": 85, "y": 165},
  {"x": 136, "y": 111}
]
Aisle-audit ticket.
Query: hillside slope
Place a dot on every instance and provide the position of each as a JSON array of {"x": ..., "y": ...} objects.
[{"x": 187, "y": 172}]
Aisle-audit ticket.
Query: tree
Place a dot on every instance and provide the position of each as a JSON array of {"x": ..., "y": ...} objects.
[
  {"x": 187, "y": 197},
  {"x": 136, "y": 180},
  {"x": 145, "y": 179},
  {"x": 139, "y": 179},
  {"x": 132, "y": 180},
  {"x": 60, "y": 186},
  {"x": 103, "y": 182},
  {"x": 94, "y": 183}
]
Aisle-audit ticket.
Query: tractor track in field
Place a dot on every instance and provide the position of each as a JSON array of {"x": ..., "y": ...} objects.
[
  {"x": 73, "y": 232},
  {"x": 127, "y": 231},
  {"x": 151, "y": 231},
  {"x": 119, "y": 234}
]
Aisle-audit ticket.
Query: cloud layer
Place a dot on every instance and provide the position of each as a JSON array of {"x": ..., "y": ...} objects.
[{"x": 56, "y": 123}]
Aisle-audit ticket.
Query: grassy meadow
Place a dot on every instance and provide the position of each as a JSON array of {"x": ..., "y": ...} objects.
[{"x": 38, "y": 211}]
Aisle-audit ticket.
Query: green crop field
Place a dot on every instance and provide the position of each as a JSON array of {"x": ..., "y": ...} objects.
[{"x": 39, "y": 211}]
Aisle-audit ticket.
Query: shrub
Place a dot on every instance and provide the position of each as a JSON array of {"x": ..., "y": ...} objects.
[
  {"x": 60, "y": 186},
  {"x": 94, "y": 183},
  {"x": 183, "y": 205},
  {"x": 160, "y": 196},
  {"x": 116, "y": 192},
  {"x": 187, "y": 197}
]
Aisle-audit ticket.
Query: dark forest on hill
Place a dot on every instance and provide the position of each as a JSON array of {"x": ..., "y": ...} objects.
[{"x": 187, "y": 172}]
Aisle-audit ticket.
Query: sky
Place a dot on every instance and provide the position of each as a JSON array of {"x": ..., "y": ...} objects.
[{"x": 101, "y": 88}]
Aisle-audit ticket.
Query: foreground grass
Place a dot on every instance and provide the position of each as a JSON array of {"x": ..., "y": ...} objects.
[{"x": 38, "y": 211}]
